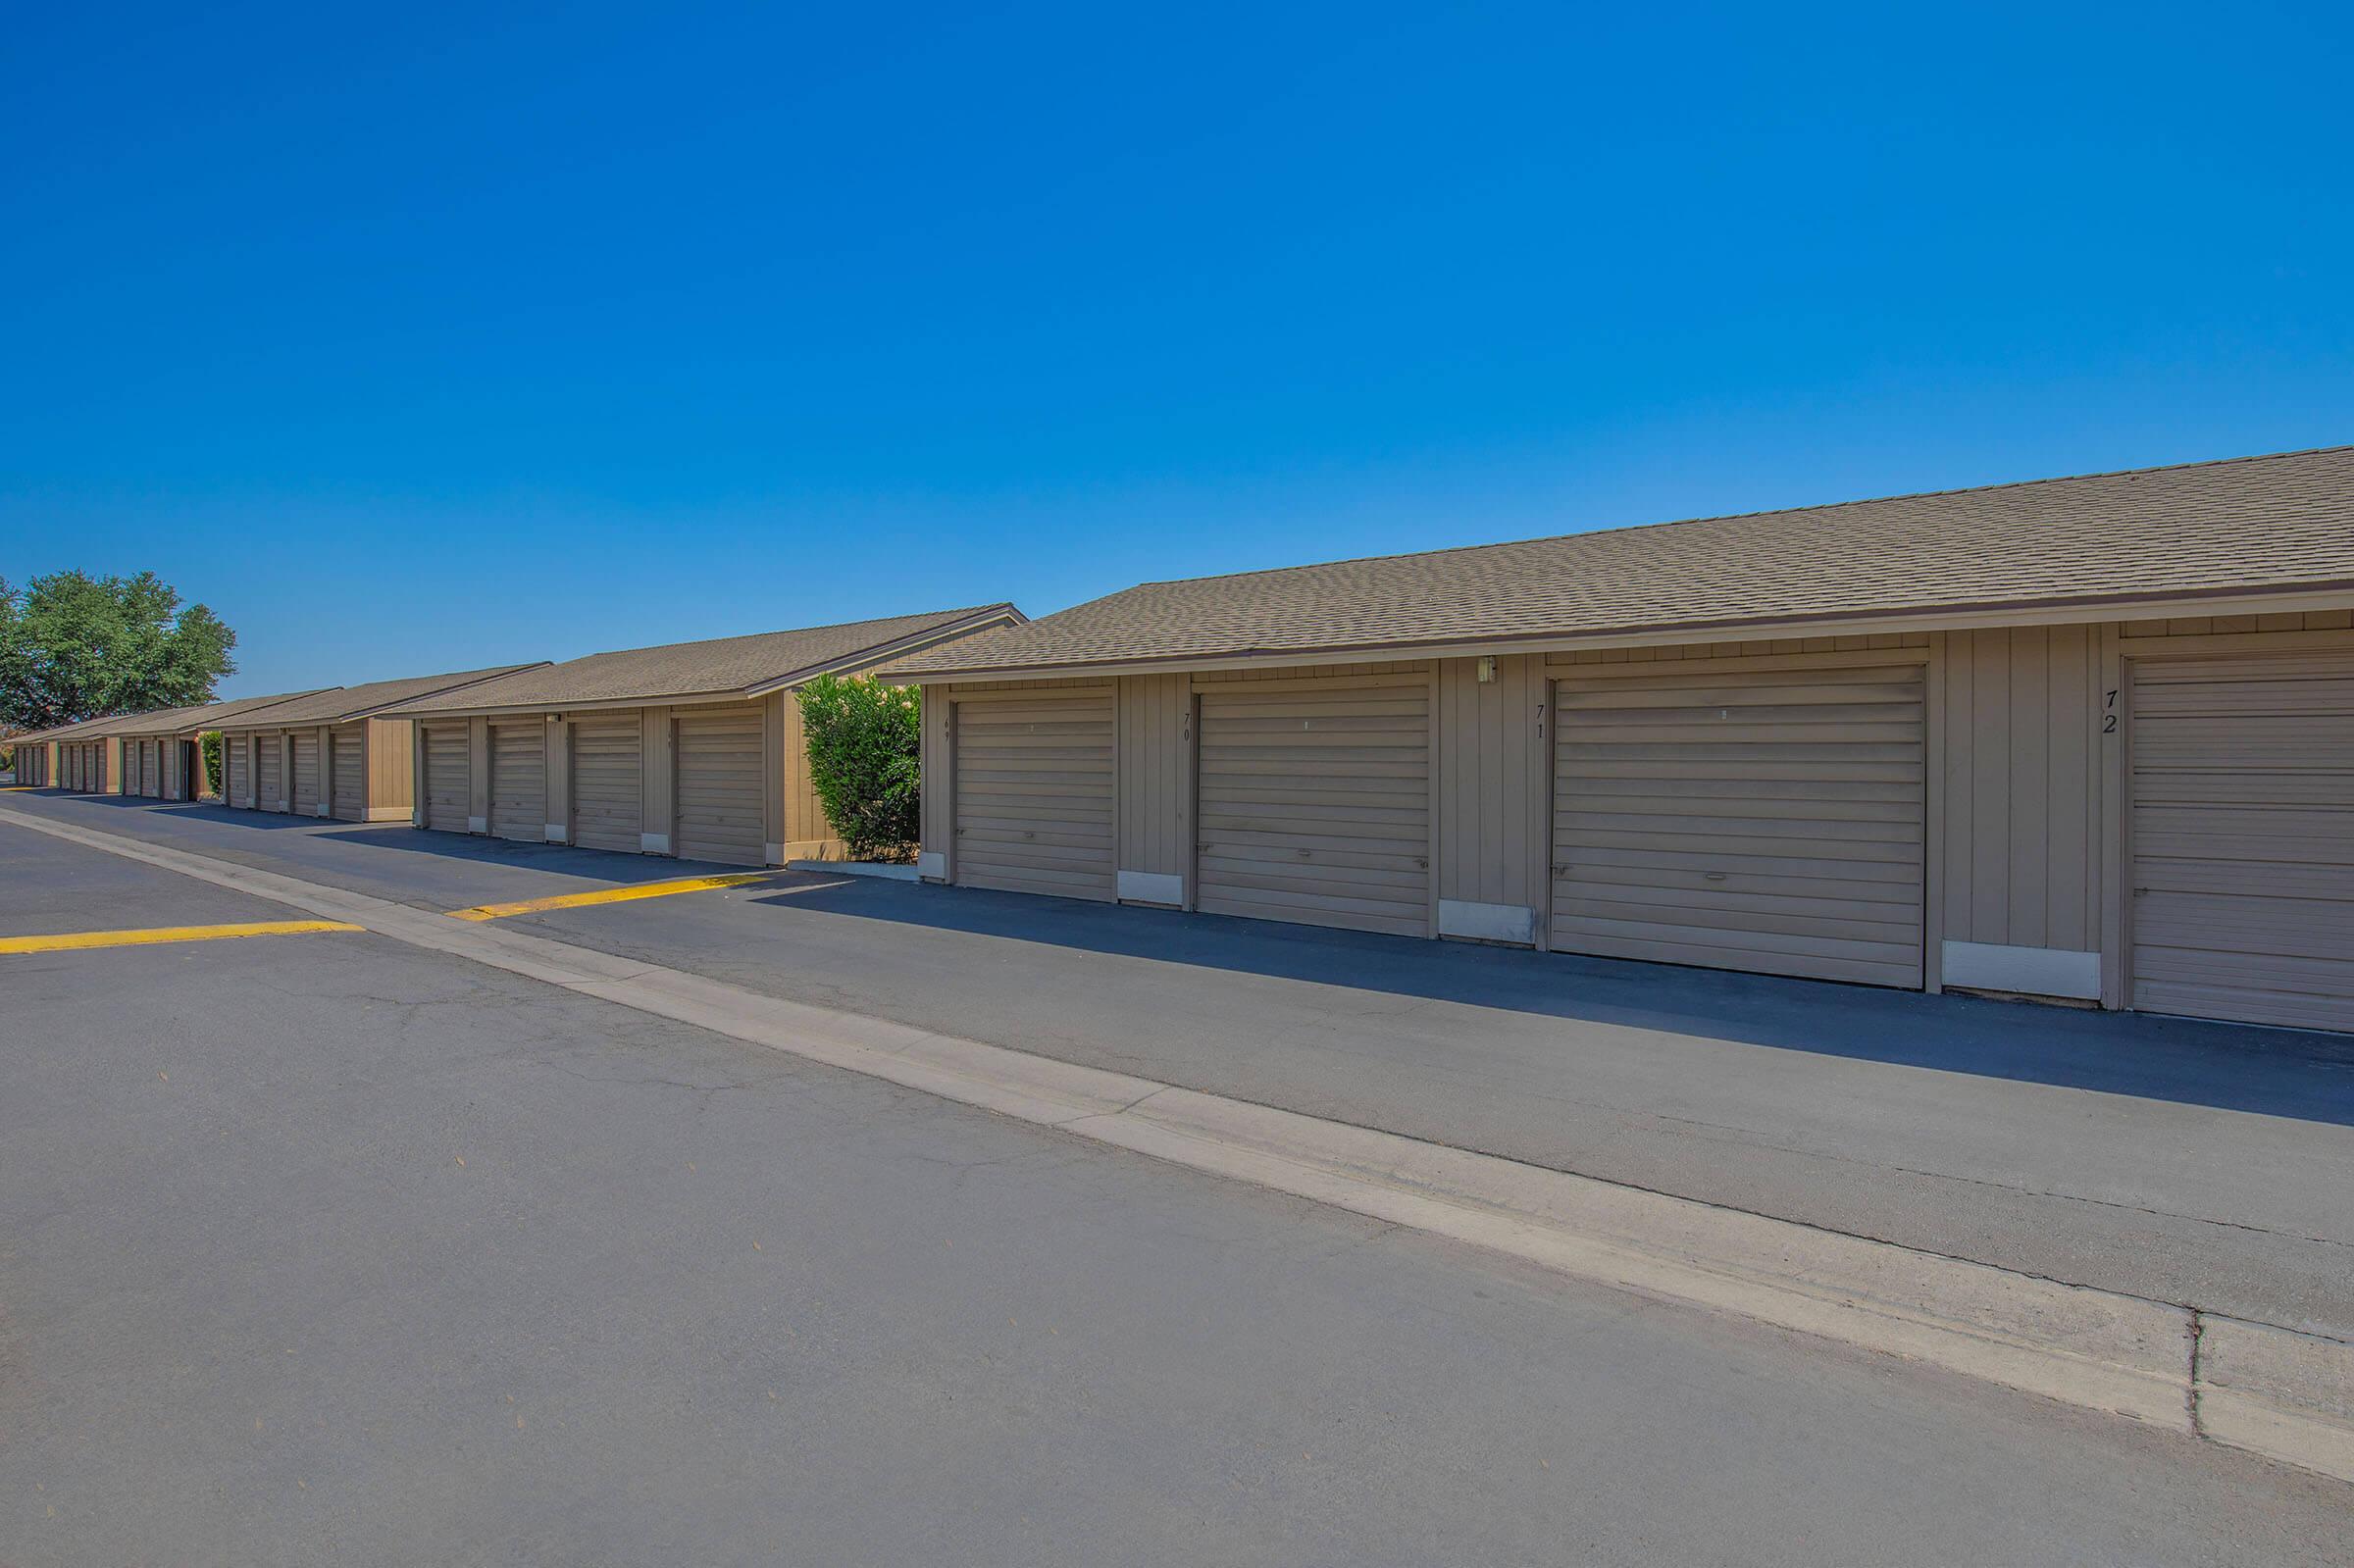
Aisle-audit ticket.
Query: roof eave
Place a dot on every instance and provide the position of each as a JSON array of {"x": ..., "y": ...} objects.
[{"x": 2334, "y": 595}]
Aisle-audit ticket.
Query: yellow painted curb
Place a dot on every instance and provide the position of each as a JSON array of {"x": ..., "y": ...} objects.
[
  {"x": 613, "y": 896},
  {"x": 74, "y": 941}
]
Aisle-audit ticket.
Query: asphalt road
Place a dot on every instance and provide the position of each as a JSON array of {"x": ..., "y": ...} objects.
[
  {"x": 2182, "y": 1161},
  {"x": 324, "y": 1250}
]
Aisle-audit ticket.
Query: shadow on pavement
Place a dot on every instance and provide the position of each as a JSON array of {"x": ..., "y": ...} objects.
[{"x": 2303, "y": 1075}]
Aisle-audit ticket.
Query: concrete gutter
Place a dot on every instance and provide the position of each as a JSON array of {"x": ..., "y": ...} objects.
[
  {"x": 2273, "y": 1391},
  {"x": 885, "y": 870}
]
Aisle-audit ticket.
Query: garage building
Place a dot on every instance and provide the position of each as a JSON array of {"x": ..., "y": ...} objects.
[
  {"x": 693, "y": 750},
  {"x": 2087, "y": 739},
  {"x": 335, "y": 754},
  {"x": 157, "y": 755}
]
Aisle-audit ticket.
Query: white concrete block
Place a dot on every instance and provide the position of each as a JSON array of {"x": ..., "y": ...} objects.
[
  {"x": 2030, "y": 971},
  {"x": 1495, "y": 923},
  {"x": 932, "y": 866},
  {"x": 1151, "y": 888}
]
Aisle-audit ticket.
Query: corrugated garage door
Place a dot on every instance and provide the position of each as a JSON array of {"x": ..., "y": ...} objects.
[
  {"x": 608, "y": 781},
  {"x": 1763, "y": 820},
  {"x": 2243, "y": 839},
  {"x": 269, "y": 768},
  {"x": 1033, "y": 793},
  {"x": 151, "y": 770},
  {"x": 347, "y": 773},
  {"x": 306, "y": 773},
  {"x": 720, "y": 783},
  {"x": 1315, "y": 804},
  {"x": 448, "y": 776},
  {"x": 518, "y": 780},
  {"x": 241, "y": 772}
]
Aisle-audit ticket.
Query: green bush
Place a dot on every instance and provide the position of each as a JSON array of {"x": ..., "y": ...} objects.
[
  {"x": 866, "y": 763},
  {"x": 210, "y": 740}
]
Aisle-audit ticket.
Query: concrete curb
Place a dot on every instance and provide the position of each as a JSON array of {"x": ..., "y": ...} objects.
[
  {"x": 857, "y": 868},
  {"x": 2276, "y": 1392}
]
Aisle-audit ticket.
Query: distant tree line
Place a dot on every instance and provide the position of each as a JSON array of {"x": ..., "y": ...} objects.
[{"x": 73, "y": 646}]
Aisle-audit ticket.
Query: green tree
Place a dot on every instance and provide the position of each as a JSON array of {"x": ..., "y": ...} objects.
[
  {"x": 73, "y": 646},
  {"x": 865, "y": 761}
]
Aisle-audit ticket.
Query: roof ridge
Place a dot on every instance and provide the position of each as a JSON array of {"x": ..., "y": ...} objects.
[
  {"x": 794, "y": 631},
  {"x": 1736, "y": 517}
]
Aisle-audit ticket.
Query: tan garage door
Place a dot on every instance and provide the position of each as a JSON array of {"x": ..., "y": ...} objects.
[
  {"x": 608, "y": 781},
  {"x": 1315, "y": 804},
  {"x": 2242, "y": 833},
  {"x": 347, "y": 773},
  {"x": 720, "y": 784},
  {"x": 448, "y": 776},
  {"x": 148, "y": 785},
  {"x": 1033, "y": 793},
  {"x": 241, "y": 770},
  {"x": 1763, "y": 820},
  {"x": 269, "y": 767},
  {"x": 306, "y": 773},
  {"x": 519, "y": 779}
]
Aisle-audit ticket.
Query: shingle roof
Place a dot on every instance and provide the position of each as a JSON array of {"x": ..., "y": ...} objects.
[
  {"x": 2241, "y": 525},
  {"x": 202, "y": 716},
  {"x": 342, "y": 703},
  {"x": 742, "y": 665}
]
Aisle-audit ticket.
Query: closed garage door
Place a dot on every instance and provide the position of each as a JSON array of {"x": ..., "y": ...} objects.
[
  {"x": 240, "y": 771},
  {"x": 268, "y": 769},
  {"x": 1315, "y": 804},
  {"x": 2243, "y": 840},
  {"x": 720, "y": 783},
  {"x": 448, "y": 778},
  {"x": 608, "y": 783},
  {"x": 306, "y": 773},
  {"x": 347, "y": 774},
  {"x": 518, "y": 780},
  {"x": 151, "y": 770},
  {"x": 1760, "y": 819},
  {"x": 1033, "y": 793}
]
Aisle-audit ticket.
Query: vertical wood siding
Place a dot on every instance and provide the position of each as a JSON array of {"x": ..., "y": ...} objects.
[
  {"x": 1155, "y": 735},
  {"x": 391, "y": 767},
  {"x": 2022, "y": 860},
  {"x": 1492, "y": 771}
]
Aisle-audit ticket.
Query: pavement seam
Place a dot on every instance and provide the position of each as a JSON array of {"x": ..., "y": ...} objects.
[{"x": 2094, "y": 1349}]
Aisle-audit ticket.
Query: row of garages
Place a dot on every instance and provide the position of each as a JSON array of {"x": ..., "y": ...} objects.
[
  {"x": 692, "y": 750},
  {"x": 1892, "y": 743}
]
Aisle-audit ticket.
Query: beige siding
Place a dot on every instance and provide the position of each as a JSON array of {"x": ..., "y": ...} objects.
[
  {"x": 304, "y": 793},
  {"x": 1493, "y": 782},
  {"x": 939, "y": 779},
  {"x": 1156, "y": 742},
  {"x": 269, "y": 770},
  {"x": 391, "y": 769},
  {"x": 2022, "y": 786}
]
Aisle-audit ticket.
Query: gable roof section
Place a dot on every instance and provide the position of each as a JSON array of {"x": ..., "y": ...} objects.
[
  {"x": 724, "y": 667},
  {"x": 2239, "y": 525},
  {"x": 341, "y": 704},
  {"x": 202, "y": 716}
]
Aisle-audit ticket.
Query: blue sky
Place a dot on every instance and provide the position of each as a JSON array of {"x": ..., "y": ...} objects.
[{"x": 401, "y": 335}]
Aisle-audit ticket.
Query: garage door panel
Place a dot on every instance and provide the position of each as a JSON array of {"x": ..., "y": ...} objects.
[
  {"x": 1757, "y": 820},
  {"x": 448, "y": 779},
  {"x": 1034, "y": 806},
  {"x": 518, "y": 780},
  {"x": 722, "y": 788},
  {"x": 2242, "y": 839},
  {"x": 272, "y": 771},
  {"x": 348, "y": 784},
  {"x": 239, "y": 772},
  {"x": 2260, "y": 879},
  {"x": 306, "y": 774},
  {"x": 1314, "y": 805}
]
